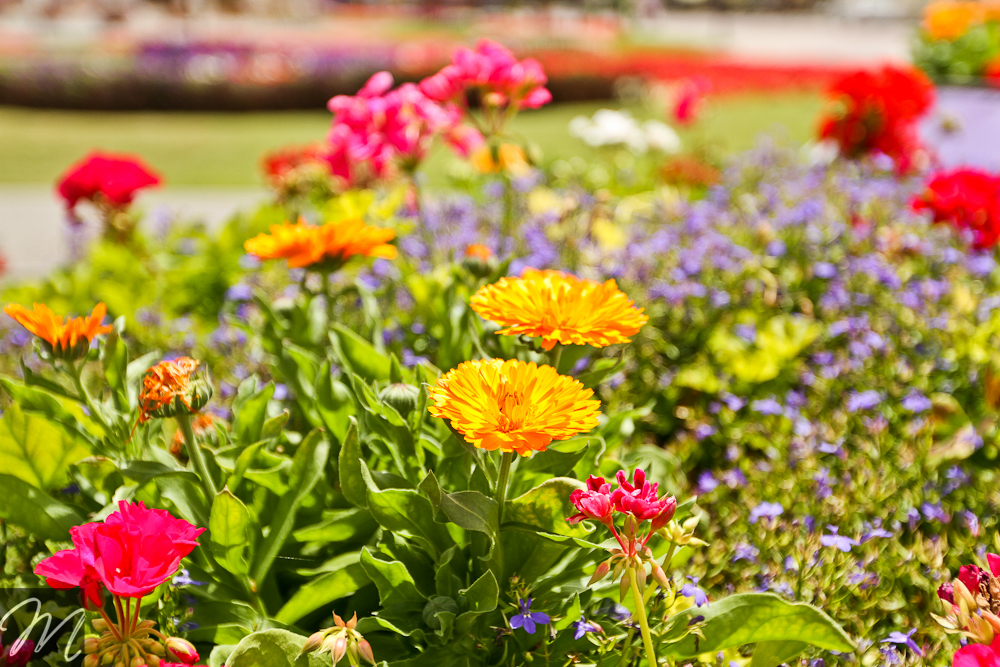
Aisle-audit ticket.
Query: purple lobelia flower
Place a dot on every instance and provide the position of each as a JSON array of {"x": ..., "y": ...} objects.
[
  {"x": 526, "y": 619},
  {"x": 904, "y": 639},
  {"x": 582, "y": 627},
  {"x": 693, "y": 591},
  {"x": 833, "y": 539},
  {"x": 766, "y": 511},
  {"x": 864, "y": 400}
]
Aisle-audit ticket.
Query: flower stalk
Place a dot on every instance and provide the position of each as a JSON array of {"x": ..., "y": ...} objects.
[
  {"x": 195, "y": 454},
  {"x": 640, "y": 614}
]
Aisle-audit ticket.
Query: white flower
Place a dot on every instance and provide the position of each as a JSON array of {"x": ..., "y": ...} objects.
[
  {"x": 821, "y": 153},
  {"x": 661, "y": 137}
]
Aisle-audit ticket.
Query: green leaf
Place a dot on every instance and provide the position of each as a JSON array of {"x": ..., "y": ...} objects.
[
  {"x": 272, "y": 427},
  {"x": 406, "y": 510},
  {"x": 472, "y": 510},
  {"x": 334, "y": 403},
  {"x": 482, "y": 597},
  {"x": 751, "y": 618},
  {"x": 307, "y": 469},
  {"x": 250, "y": 414},
  {"x": 67, "y": 415},
  {"x": 360, "y": 356},
  {"x": 772, "y": 654},
  {"x": 35, "y": 451},
  {"x": 322, "y": 590},
  {"x": 546, "y": 507},
  {"x": 273, "y": 648},
  {"x": 115, "y": 363},
  {"x": 219, "y": 655},
  {"x": 394, "y": 583},
  {"x": 21, "y": 504},
  {"x": 351, "y": 482},
  {"x": 354, "y": 524},
  {"x": 229, "y": 530}
]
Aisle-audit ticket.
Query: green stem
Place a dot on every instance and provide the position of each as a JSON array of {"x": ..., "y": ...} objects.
[
  {"x": 627, "y": 647},
  {"x": 197, "y": 458},
  {"x": 77, "y": 376},
  {"x": 502, "y": 482},
  {"x": 508, "y": 203},
  {"x": 640, "y": 613},
  {"x": 555, "y": 354}
]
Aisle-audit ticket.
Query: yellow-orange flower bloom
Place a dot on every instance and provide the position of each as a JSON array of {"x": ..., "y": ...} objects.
[
  {"x": 68, "y": 339},
  {"x": 479, "y": 251},
  {"x": 950, "y": 19},
  {"x": 513, "y": 406},
  {"x": 560, "y": 308},
  {"x": 304, "y": 245}
]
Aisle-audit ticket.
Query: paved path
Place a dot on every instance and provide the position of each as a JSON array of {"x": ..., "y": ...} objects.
[{"x": 33, "y": 236}]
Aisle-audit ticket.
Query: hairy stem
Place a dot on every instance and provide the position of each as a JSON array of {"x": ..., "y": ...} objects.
[
  {"x": 502, "y": 483},
  {"x": 197, "y": 458}
]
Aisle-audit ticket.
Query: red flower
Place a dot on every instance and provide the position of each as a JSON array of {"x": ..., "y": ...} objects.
[
  {"x": 105, "y": 178},
  {"x": 690, "y": 98},
  {"x": 135, "y": 550},
  {"x": 966, "y": 199},
  {"x": 594, "y": 502},
  {"x": 978, "y": 655},
  {"x": 878, "y": 112},
  {"x": 640, "y": 500},
  {"x": 17, "y": 654},
  {"x": 277, "y": 165}
]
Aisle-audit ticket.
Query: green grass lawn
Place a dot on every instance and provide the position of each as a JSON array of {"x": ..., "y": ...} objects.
[{"x": 224, "y": 148}]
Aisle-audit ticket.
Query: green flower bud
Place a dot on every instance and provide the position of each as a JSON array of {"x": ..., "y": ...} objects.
[{"x": 402, "y": 397}]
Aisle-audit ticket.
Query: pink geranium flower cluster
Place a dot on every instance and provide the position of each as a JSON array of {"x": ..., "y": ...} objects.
[
  {"x": 637, "y": 500},
  {"x": 131, "y": 553},
  {"x": 380, "y": 130},
  {"x": 492, "y": 71}
]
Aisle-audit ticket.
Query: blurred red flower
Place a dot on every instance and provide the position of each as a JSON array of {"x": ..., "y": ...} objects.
[
  {"x": 967, "y": 199},
  {"x": 878, "y": 112},
  {"x": 106, "y": 179}
]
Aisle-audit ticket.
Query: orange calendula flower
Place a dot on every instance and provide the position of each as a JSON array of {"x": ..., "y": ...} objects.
[
  {"x": 560, "y": 308},
  {"x": 69, "y": 339},
  {"x": 950, "y": 19},
  {"x": 479, "y": 251},
  {"x": 513, "y": 406},
  {"x": 322, "y": 246},
  {"x": 171, "y": 386}
]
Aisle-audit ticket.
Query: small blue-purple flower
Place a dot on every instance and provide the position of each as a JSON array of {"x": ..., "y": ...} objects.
[
  {"x": 833, "y": 539},
  {"x": 904, "y": 639},
  {"x": 582, "y": 627},
  {"x": 693, "y": 591},
  {"x": 526, "y": 619},
  {"x": 766, "y": 511}
]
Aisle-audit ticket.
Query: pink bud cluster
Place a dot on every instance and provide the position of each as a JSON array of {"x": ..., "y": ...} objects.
[
  {"x": 637, "y": 499},
  {"x": 491, "y": 70},
  {"x": 380, "y": 130}
]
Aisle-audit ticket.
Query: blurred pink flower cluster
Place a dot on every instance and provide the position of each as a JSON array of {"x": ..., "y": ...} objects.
[
  {"x": 380, "y": 130},
  {"x": 501, "y": 80}
]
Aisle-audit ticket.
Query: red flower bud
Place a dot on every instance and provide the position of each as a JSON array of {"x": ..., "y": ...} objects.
[{"x": 183, "y": 650}]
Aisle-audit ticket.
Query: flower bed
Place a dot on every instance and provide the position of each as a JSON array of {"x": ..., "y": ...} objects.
[{"x": 597, "y": 413}]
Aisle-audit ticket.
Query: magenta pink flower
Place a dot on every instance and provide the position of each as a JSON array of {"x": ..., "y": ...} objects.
[
  {"x": 978, "y": 655},
  {"x": 640, "y": 500},
  {"x": 594, "y": 502},
  {"x": 381, "y": 130},
  {"x": 135, "y": 550},
  {"x": 492, "y": 70}
]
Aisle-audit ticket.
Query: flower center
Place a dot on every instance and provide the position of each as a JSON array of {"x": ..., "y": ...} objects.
[{"x": 514, "y": 413}]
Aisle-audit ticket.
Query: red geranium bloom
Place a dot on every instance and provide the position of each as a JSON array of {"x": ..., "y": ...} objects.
[
  {"x": 966, "y": 199},
  {"x": 277, "y": 165},
  {"x": 878, "y": 112},
  {"x": 105, "y": 179},
  {"x": 978, "y": 655},
  {"x": 640, "y": 500},
  {"x": 594, "y": 502}
]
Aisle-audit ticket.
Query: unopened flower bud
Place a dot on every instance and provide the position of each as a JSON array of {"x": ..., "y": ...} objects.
[
  {"x": 153, "y": 660},
  {"x": 138, "y": 661},
  {"x": 690, "y": 524},
  {"x": 91, "y": 660},
  {"x": 100, "y": 625},
  {"x": 365, "y": 651},
  {"x": 992, "y": 619},
  {"x": 963, "y": 598},
  {"x": 183, "y": 650},
  {"x": 156, "y": 648},
  {"x": 400, "y": 396},
  {"x": 314, "y": 642},
  {"x": 479, "y": 261},
  {"x": 109, "y": 658},
  {"x": 90, "y": 645},
  {"x": 626, "y": 582},
  {"x": 601, "y": 572},
  {"x": 660, "y": 576},
  {"x": 146, "y": 625},
  {"x": 338, "y": 649}
]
